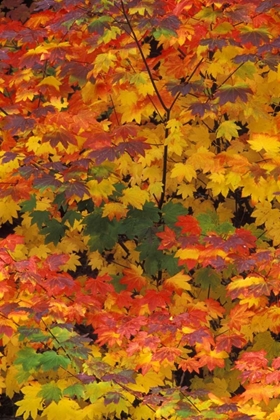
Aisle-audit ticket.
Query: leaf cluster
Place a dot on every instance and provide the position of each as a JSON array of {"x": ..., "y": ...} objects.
[{"x": 139, "y": 209}]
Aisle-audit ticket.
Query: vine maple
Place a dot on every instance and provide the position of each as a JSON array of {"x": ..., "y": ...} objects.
[{"x": 139, "y": 260}]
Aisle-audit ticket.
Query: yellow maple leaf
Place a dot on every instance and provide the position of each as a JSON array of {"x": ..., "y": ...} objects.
[
  {"x": 112, "y": 210},
  {"x": 143, "y": 412},
  {"x": 269, "y": 143},
  {"x": 8, "y": 210},
  {"x": 188, "y": 254},
  {"x": 183, "y": 170},
  {"x": 178, "y": 282},
  {"x": 202, "y": 159},
  {"x": 143, "y": 83},
  {"x": 135, "y": 197},
  {"x": 128, "y": 98},
  {"x": 65, "y": 409},
  {"x": 100, "y": 190},
  {"x": 228, "y": 129},
  {"x": 50, "y": 81},
  {"x": 30, "y": 404},
  {"x": 186, "y": 190},
  {"x": 155, "y": 189},
  {"x": 262, "y": 212},
  {"x": 95, "y": 260},
  {"x": 72, "y": 263},
  {"x": 275, "y": 415},
  {"x": 104, "y": 62}
]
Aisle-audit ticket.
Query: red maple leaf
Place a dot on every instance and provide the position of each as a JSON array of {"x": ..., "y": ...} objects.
[
  {"x": 168, "y": 238},
  {"x": 189, "y": 224},
  {"x": 133, "y": 278},
  {"x": 167, "y": 353},
  {"x": 99, "y": 285}
]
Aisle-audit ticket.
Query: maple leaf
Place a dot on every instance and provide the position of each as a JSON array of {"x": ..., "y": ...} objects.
[
  {"x": 239, "y": 316},
  {"x": 65, "y": 408},
  {"x": 168, "y": 238},
  {"x": 181, "y": 171},
  {"x": 30, "y": 394},
  {"x": 178, "y": 282},
  {"x": 254, "y": 36},
  {"x": 133, "y": 278},
  {"x": 133, "y": 147},
  {"x": 99, "y": 284},
  {"x": 210, "y": 358},
  {"x": 269, "y": 143},
  {"x": 226, "y": 342},
  {"x": 102, "y": 154},
  {"x": 167, "y": 353},
  {"x": 135, "y": 197},
  {"x": 228, "y": 93},
  {"x": 189, "y": 225},
  {"x": 56, "y": 261},
  {"x": 50, "y": 392},
  {"x": 198, "y": 108},
  {"x": 228, "y": 130},
  {"x": 114, "y": 210},
  {"x": 18, "y": 123},
  {"x": 252, "y": 360},
  {"x": 58, "y": 282}
]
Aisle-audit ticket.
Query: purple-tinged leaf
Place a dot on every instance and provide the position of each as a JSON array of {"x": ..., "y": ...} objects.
[
  {"x": 106, "y": 153},
  {"x": 267, "y": 5},
  {"x": 124, "y": 377},
  {"x": 86, "y": 379},
  {"x": 125, "y": 131},
  {"x": 213, "y": 43},
  {"x": 9, "y": 156},
  {"x": 18, "y": 123},
  {"x": 229, "y": 93},
  {"x": 64, "y": 137},
  {"x": 112, "y": 397},
  {"x": 43, "y": 111},
  {"x": 256, "y": 37},
  {"x": 199, "y": 108},
  {"x": 75, "y": 69},
  {"x": 44, "y": 5},
  {"x": 133, "y": 147},
  {"x": 46, "y": 181},
  {"x": 170, "y": 22},
  {"x": 243, "y": 58},
  {"x": 183, "y": 88},
  {"x": 76, "y": 188}
]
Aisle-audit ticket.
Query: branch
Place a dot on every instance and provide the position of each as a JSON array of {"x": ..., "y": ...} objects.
[
  {"x": 234, "y": 71},
  {"x": 143, "y": 58}
]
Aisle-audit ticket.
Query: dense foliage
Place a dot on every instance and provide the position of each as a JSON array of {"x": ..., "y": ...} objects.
[{"x": 140, "y": 216}]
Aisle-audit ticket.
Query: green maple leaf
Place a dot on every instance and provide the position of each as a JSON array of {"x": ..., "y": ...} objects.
[
  {"x": 54, "y": 231},
  {"x": 207, "y": 277},
  {"x": 28, "y": 359},
  {"x": 29, "y": 205},
  {"x": 50, "y": 360},
  {"x": 76, "y": 390},
  {"x": 40, "y": 217},
  {"x": 33, "y": 334},
  {"x": 50, "y": 392},
  {"x": 103, "y": 232},
  {"x": 71, "y": 216},
  {"x": 171, "y": 211}
]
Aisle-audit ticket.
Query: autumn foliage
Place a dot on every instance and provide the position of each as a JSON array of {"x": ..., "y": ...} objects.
[{"x": 140, "y": 209}]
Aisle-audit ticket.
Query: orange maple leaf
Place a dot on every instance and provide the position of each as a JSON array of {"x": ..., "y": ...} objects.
[{"x": 133, "y": 278}]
